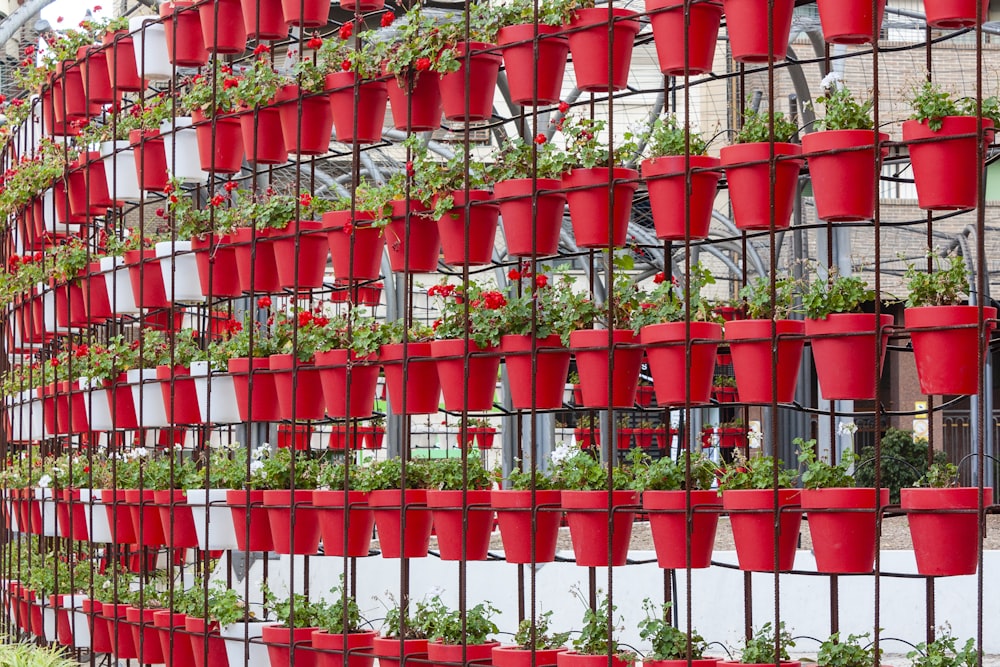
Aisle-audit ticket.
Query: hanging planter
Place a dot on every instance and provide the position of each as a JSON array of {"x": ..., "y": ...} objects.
[
  {"x": 118, "y": 159},
  {"x": 475, "y": 394},
  {"x": 477, "y": 228},
  {"x": 846, "y": 541},
  {"x": 537, "y": 383},
  {"x": 220, "y": 142},
  {"x": 264, "y": 19},
  {"x": 954, "y": 14},
  {"x": 215, "y": 261},
  {"x": 170, "y": 626},
  {"x": 180, "y": 399},
  {"x": 299, "y": 388},
  {"x": 415, "y": 101},
  {"x": 176, "y": 519},
  {"x": 518, "y": 656},
  {"x": 207, "y": 645},
  {"x": 306, "y": 122},
  {"x": 368, "y": 107},
  {"x": 216, "y": 395},
  {"x": 209, "y": 506},
  {"x": 484, "y": 68},
  {"x": 753, "y": 532},
  {"x": 462, "y": 534},
  {"x": 946, "y": 171},
  {"x": 180, "y": 141},
  {"x": 666, "y": 352},
  {"x": 750, "y": 185},
  {"x": 592, "y": 362},
  {"x": 250, "y": 520},
  {"x": 485, "y": 437},
  {"x": 262, "y": 405},
  {"x": 341, "y": 653},
  {"x": 843, "y": 183},
  {"x": 150, "y": 160},
  {"x": 669, "y": 527},
  {"x": 355, "y": 245},
  {"x": 365, "y": 5},
  {"x": 336, "y": 373},
  {"x": 944, "y": 544},
  {"x": 147, "y": 279},
  {"x": 389, "y": 508},
  {"x": 392, "y": 651},
  {"x": 118, "y": 515},
  {"x": 588, "y": 529},
  {"x": 749, "y": 23},
  {"x": 519, "y": 526},
  {"x": 95, "y": 289},
  {"x": 845, "y": 364},
  {"x": 421, "y": 394},
  {"x": 417, "y": 250},
  {"x": 531, "y": 223},
  {"x": 300, "y": 252},
  {"x": 255, "y": 260},
  {"x": 179, "y": 268},
  {"x": 184, "y": 35},
  {"x": 282, "y": 517},
  {"x": 88, "y": 185},
  {"x": 262, "y": 135},
  {"x": 527, "y": 72},
  {"x": 146, "y": 524},
  {"x": 149, "y": 46},
  {"x": 947, "y": 360},
  {"x": 441, "y": 655},
  {"x": 145, "y": 636},
  {"x": 306, "y": 13},
  {"x": 850, "y": 22},
  {"x": 222, "y": 26},
  {"x": 667, "y": 20},
  {"x": 588, "y": 43},
  {"x": 666, "y": 180},
  {"x": 336, "y": 511},
  {"x": 121, "y": 63},
  {"x": 591, "y": 207},
  {"x": 753, "y": 364},
  {"x": 241, "y": 652}
]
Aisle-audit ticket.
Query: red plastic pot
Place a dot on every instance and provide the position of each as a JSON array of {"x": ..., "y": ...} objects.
[
  {"x": 539, "y": 383},
  {"x": 300, "y": 252},
  {"x": 306, "y": 129},
  {"x": 388, "y": 520},
  {"x": 845, "y": 364},
  {"x": 592, "y": 363},
  {"x": 843, "y": 183},
  {"x": 176, "y": 647},
  {"x": 250, "y": 515},
  {"x": 144, "y": 634},
  {"x": 76, "y": 106},
  {"x": 445, "y": 655},
  {"x": 517, "y": 656},
  {"x": 484, "y": 69},
  {"x": 231, "y": 34},
  {"x": 946, "y": 171},
  {"x": 122, "y": 640},
  {"x": 587, "y": 438},
  {"x": 947, "y": 360},
  {"x": 147, "y": 279},
  {"x": 69, "y": 302},
  {"x": 206, "y": 633},
  {"x": 531, "y": 224},
  {"x": 356, "y": 254},
  {"x": 96, "y": 300},
  {"x": 119, "y": 516},
  {"x": 750, "y": 185},
  {"x": 706, "y": 662},
  {"x": 748, "y": 21},
  {"x": 263, "y": 142},
  {"x": 843, "y": 542},
  {"x": 256, "y": 263},
  {"x": 282, "y": 517},
  {"x": 369, "y": 102},
  {"x": 88, "y": 185},
  {"x": 588, "y": 530},
  {"x": 150, "y": 159},
  {"x": 527, "y": 73},
  {"x": 94, "y": 75},
  {"x": 453, "y": 533},
  {"x": 753, "y": 364},
  {"x": 589, "y": 46},
  {"x": 265, "y": 22},
  {"x": 69, "y": 510},
  {"x": 299, "y": 388},
  {"x": 180, "y": 399},
  {"x": 220, "y": 142},
  {"x": 366, "y": 5},
  {"x": 185, "y": 40},
  {"x": 667, "y": 185},
  {"x": 954, "y": 14},
  {"x": 476, "y": 393},
  {"x": 279, "y": 640},
  {"x": 362, "y": 375},
  {"x": 178, "y": 529},
  {"x": 100, "y": 629},
  {"x": 123, "y": 75},
  {"x": 479, "y": 225},
  {"x": 392, "y": 650},
  {"x": 485, "y": 437},
  {"x": 263, "y": 404},
  {"x": 419, "y": 253},
  {"x": 340, "y": 653},
  {"x": 945, "y": 544},
  {"x": 416, "y": 103},
  {"x": 218, "y": 272},
  {"x": 667, "y": 20},
  {"x": 422, "y": 390},
  {"x": 146, "y": 524},
  {"x": 306, "y": 13},
  {"x": 849, "y": 22},
  {"x": 332, "y": 513},
  {"x": 519, "y": 519},
  {"x": 753, "y": 532},
  {"x": 672, "y": 370},
  {"x": 591, "y": 207}
]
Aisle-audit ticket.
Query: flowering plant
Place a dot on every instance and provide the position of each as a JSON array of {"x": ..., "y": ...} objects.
[
  {"x": 387, "y": 474},
  {"x": 451, "y": 626},
  {"x": 754, "y": 473},
  {"x": 586, "y": 148},
  {"x": 944, "y": 286},
  {"x": 843, "y": 112},
  {"x": 554, "y": 309},
  {"x": 519, "y": 12},
  {"x": 581, "y": 469},
  {"x": 420, "y": 45},
  {"x": 265, "y": 210},
  {"x": 669, "y": 137},
  {"x": 666, "y": 303},
  {"x": 599, "y": 626},
  {"x": 666, "y": 474},
  {"x": 756, "y": 127},
  {"x": 756, "y": 298},
  {"x": 839, "y": 294},
  {"x": 392, "y": 332},
  {"x": 931, "y": 104},
  {"x": 446, "y": 475},
  {"x": 258, "y": 84},
  {"x": 213, "y": 93},
  {"x": 819, "y": 474},
  {"x": 668, "y": 642},
  {"x": 30, "y": 176},
  {"x": 352, "y": 331},
  {"x": 22, "y": 274},
  {"x": 518, "y": 159},
  {"x": 624, "y": 301},
  {"x": 341, "y": 53},
  {"x": 481, "y": 318},
  {"x": 273, "y": 470},
  {"x": 437, "y": 180}
]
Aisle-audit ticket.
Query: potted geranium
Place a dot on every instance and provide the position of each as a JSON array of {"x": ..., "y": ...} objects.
[
  {"x": 944, "y": 652},
  {"x": 670, "y": 646},
  {"x": 226, "y": 469},
  {"x": 411, "y": 237},
  {"x": 587, "y": 432},
  {"x": 358, "y": 93},
  {"x": 852, "y": 651},
  {"x": 245, "y": 361},
  {"x": 304, "y": 106},
  {"x": 403, "y": 636},
  {"x": 517, "y": 37},
  {"x": 342, "y": 633},
  {"x": 300, "y": 335},
  {"x": 459, "y": 633},
  {"x": 294, "y": 526},
  {"x": 458, "y": 490},
  {"x": 411, "y": 376},
  {"x": 260, "y": 120},
  {"x": 529, "y": 537},
  {"x": 346, "y": 522},
  {"x": 471, "y": 55},
  {"x": 402, "y": 519},
  {"x": 767, "y": 646},
  {"x": 533, "y": 645},
  {"x": 758, "y": 29},
  {"x": 298, "y": 618},
  {"x": 944, "y": 544},
  {"x": 596, "y": 643},
  {"x": 724, "y": 389},
  {"x": 168, "y": 476},
  {"x": 354, "y": 230},
  {"x": 349, "y": 368},
  {"x": 213, "y": 101}
]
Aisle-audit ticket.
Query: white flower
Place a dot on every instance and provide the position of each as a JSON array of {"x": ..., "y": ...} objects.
[
  {"x": 832, "y": 81},
  {"x": 44, "y": 482},
  {"x": 847, "y": 428},
  {"x": 562, "y": 453},
  {"x": 255, "y": 466},
  {"x": 755, "y": 438},
  {"x": 434, "y": 592},
  {"x": 140, "y": 453}
]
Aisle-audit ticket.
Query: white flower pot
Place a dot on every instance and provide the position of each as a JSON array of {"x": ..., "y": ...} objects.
[
  {"x": 221, "y": 533},
  {"x": 119, "y": 285},
  {"x": 98, "y": 526},
  {"x": 48, "y": 508},
  {"x": 26, "y": 421},
  {"x": 96, "y": 404},
  {"x": 48, "y": 621},
  {"x": 148, "y": 398},
  {"x": 180, "y": 283},
  {"x": 240, "y": 653},
  {"x": 79, "y": 622},
  {"x": 150, "y": 44},
  {"x": 181, "y": 143},
  {"x": 123, "y": 182},
  {"x": 223, "y": 406}
]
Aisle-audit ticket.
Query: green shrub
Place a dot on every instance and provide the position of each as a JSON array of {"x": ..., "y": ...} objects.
[{"x": 904, "y": 461}]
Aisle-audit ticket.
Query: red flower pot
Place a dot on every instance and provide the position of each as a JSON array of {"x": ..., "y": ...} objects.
[
  {"x": 946, "y": 171},
  {"x": 421, "y": 394},
  {"x": 306, "y": 123},
  {"x": 263, "y": 404},
  {"x": 419, "y": 253},
  {"x": 954, "y": 14},
  {"x": 475, "y": 394},
  {"x": 843, "y": 542},
  {"x": 750, "y": 185},
  {"x": 300, "y": 390},
  {"x": 849, "y": 22},
  {"x": 458, "y": 540},
  {"x": 672, "y": 370},
  {"x": 519, "y": 519},
  {"x": 280, "y": 641},
  {"x": 262, "y": 136},
  {"x": 444, "y": 655},
  {"x": 483, "y": 71},
  {"x": 947, "y": 360},
  {"x": 180, "y": 399},
  {"x": 589, "y": 46},
  {"x": 300, "y": 252},
  {"x": 119, "y": 516},
  {"x": 100, "y": 629},
  {"x": 843, "y": 183},
  {"x": 366, "y": 5},
  {"x": 753, "y": 365},
  {"x": 174, "y": 645},
  {"x": 668, "y": 523},
  {"x": 334, "y": 511},
  {"x": 250, "y": 520},
  {"x": 540, "y": 383},
  {"x": 88, "y": 185},
  {"x": 306, "y": 13},
  {"x": 845, "y": 364},
  {"x": 146, "y": 524},
  {"x": 588, "y": 530},
  {"x": 753, "y": 532},
  {"x": 282, "y": 516},
  {"x": 144, "y": 634},
  {"x": 479, "y": 224},
  {"x": 516, "y": 656},
  {"x": 574, "y": 659},
  {"x": 340, "y": 653},
  {"x": 671, "y": 207},
  {"x": 373, "y": 436},
  {"x": 747, "y": 23},
  {"x": 336, "y": 373},
  {"x": 355, "y": 246},
  {"x": 69, "y": 510},
  {"x": 370, "y": 103},
  {"x": 390, "y": 651},
  {"x": 266, "y": 21},
  {"x": 185, "y": 40},
  {"x": 220, "y": 142},
  {"x": 416, "y": 102},
  {"x": 591, "y": 207},
  {"x": 122, "y": 73},
  {"x": 525, "y": 72},
  {"x": 531, "y": 224},
  {"x": 228, "y": 34},
  {"x": 389, "y": 507},
  {"x": 218, "y": 272},
  {"x": 945, "y": 544},
  {"x": 592, "y": 363},
  {"x": 150, "y": 159},
  {"x": 706, "y": 662},
  {"x": 207, "y": 646},
  {"x": 176, "y": 519},
  {"x": 122, "y": 640},
  {"x": 667, "y": 20},
  {"x": 255, "y": 262},
  {"x": 76, "y": 106},
  {"x": 485, "y": 437}
]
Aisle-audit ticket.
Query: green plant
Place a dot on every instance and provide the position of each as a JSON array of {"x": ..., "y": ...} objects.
[
  {"x": 393, "y": 332},
  {"x": 756, "y": 297},
  {"x": 421, "y": 45},
  {"x": 519, "y": 12},
  {"x": 669, "y": 137},
  {"x": 521, "y": 480},
  {"x": 274, "y": 471},
  {"x": 760, "y": 648},
  {"x": 259, "y": 83},
  {"x": 549, "y": 303},
  {"x": 476, "y": 311},
  {"x": 398, "y": 621},
  {"x": 757, "y": 472},
  {"x": 666, "y": 302},
  {"x": 586, "y": 148},
  {"x": 447, "y": 624},
  {"x": 666, "y": 474},
  {"x": 599, "y": 627},
  {"x": 447, "y": 474},
  {"x": 903, "y": 462},
  {"x": 15, "y": 653},
  {"x": 939, "y": 475},
  {"x": 299, "y": 610},
  {"x": 847, "y": 653},
  {"x": 843, "y": 112},
  {"x": 519, "y": 159},
  {"x": 171, "y": 469},
  {"x": 931, "y": 104},
  {"x": 338, "y": 53},
  {"x": 839, "y": 294},
  {"x": 944, "y": 652},
  {"x": 344, "y": 614},
  {"x": 819, "y": 474},
  {"x": 668, "y": 642},
  {"x": 944, "y": 286},
  {"x": 388, "y": 474},
  {"x": 581, "y": 470},
  {"x": 540, "y": 639},
  {"x": 757, "y": 127},
  {"x": 437, "y": 179}
]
